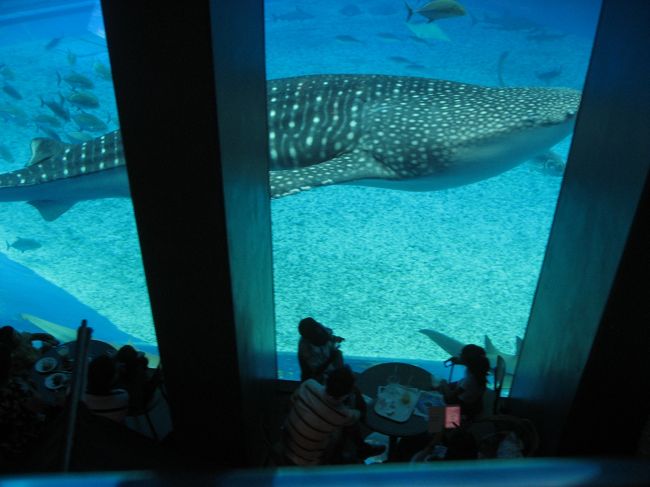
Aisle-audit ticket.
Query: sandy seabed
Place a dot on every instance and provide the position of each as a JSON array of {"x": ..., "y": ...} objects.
[{"x": 376, "y": 265}]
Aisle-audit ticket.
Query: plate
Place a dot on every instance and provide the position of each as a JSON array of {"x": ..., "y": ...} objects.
[
  {"x": 57, "y": 380},
  {"x": 396, "y": 402},
  {"x": 46, "y": 364}
]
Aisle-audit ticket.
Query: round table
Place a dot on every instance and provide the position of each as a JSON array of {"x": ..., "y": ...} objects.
[
  {"x": 53, "y": 396},
  {"x": 405, "y": 374}
]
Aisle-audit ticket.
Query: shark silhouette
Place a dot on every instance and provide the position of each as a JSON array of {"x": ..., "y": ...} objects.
[{"x": 405, "y": 133}]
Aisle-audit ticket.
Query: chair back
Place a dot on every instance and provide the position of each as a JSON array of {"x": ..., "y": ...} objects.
[
  {"x": 76, "y": 388},
  {"x": 499, "y": 376}
]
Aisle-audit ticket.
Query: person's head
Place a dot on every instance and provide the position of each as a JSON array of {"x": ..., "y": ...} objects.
[
  {"x": 474, "y": 358},
  {"x": 102, "y": 374},
  {"x": 8, "y": 336},
  {"x": 312, "y": 331},
  {"x": 340, "y": 382},
  {"x": 5, "y": 364}
]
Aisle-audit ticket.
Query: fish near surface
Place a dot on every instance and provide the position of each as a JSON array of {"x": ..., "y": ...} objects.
[
  {"x": 406, "y": 133},
  {"x": 437, "y": 10}
]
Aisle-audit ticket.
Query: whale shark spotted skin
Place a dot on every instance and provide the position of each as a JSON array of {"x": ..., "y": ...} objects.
[{"x": 406, "y": 133}]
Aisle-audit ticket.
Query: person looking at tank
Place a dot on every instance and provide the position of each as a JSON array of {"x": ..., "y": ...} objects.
[
  {"x": 468, "y": 392},
  {"x": 318, "y": 350}
]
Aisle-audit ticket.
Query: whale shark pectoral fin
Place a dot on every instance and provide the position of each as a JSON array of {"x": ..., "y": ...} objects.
[
  {"x": 448, "y": 344},
  {"x": 350, "y": 166},
  {"x": 50, "y": 210},
  {"x": 44, "y": 148}
]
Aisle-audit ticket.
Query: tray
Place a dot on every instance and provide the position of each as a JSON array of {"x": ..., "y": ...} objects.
[{"x": 396, "y": 402}]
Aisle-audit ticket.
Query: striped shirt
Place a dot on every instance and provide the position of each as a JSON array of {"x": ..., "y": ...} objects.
[
  {"x": 314, "y": 418},
  {"x": 113, "y": 405}
]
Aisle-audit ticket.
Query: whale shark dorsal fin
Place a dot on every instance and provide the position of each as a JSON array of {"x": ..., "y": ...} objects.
[
  {"x": 50, "y": 210},
  {"x": 43, "y": 148}
]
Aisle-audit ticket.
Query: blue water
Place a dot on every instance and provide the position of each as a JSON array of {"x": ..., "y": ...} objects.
[{"x": 376, "y": 265}]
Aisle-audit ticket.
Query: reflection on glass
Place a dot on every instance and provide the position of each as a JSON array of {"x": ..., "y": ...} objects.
[
  {"x": 65, "y": 213},
  {"x": 416, "y": 167}
]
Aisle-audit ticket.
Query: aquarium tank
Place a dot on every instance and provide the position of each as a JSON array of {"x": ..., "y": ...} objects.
[
  {"x": 65, "y": 256},
  {"x": 414, "y": 174},
  {"x": 402, "y": 217}
]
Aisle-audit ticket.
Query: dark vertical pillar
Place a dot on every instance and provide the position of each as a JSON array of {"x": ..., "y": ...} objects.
[
  {"x": 589, "y": 309},
  {"x": 195, "y": 143}
]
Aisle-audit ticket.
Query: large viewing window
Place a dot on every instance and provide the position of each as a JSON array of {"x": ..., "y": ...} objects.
[
  {"x": 403, "y": 205},
  {"x": 72, "y": 249}
]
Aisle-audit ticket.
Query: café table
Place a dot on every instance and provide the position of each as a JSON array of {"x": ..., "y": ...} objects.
[
  {"x": 64, "y": 355},
  {"x": 406, "y": 375}
]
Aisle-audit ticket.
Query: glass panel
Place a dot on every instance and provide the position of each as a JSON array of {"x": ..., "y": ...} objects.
[
  {"x": 433, "y": 201},
  {"x": 72, "y": 247}
]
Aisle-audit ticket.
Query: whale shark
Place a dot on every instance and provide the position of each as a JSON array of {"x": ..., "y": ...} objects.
[{"x": 403, "y": 133}]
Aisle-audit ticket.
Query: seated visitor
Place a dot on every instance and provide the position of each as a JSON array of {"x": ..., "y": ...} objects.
[
  {"x": 23, "y": 352},
  {"x": 319, "y": 422},
  {"x": 133, "y": 376},
  {"x": 318, "y": 350},
  {"x": 21, "y": 413},
  {"x": 102, "y": 397},
  {"x": 468, "y": 392}
]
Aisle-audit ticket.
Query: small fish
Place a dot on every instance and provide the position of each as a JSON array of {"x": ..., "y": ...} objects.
[
  {"x": 297, "y": 14},
  {"x": 72, "y": 58},
  {"x": 400, "y": 60},
  {"x": 23, "y": 244},
  {"x": 6, "y": 154},
  {"x": 388, "y": 36},
  {"x": 346, "y": 38},
  {"x": 350, "y": 10},
  {"x": 83, "y": 99},
  {"x": 49, "y": 132},
  {"x": 548, "y": 76},
  {"x": 45, "y": 119},
  {"x": 79, "y": 137},
  {"x": 11, "y": 91},
  {"x": 77, "y": 80},
  {"x": 57, "y": 108},
  {"x": 437, "y": 9},
  {"x": 7, "y": 72},
  {"x": 87, "y": 121},
  {"x": 103, "y": 71},
  {"x": 53, "y": 43}
]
